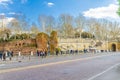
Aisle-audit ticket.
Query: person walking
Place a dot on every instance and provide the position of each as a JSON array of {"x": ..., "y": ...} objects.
[
  {"x": 4, "y": 56},
  {"x": 57, "y": 52},
  {"x": 11, "y": 53},
  {"x": 61, "y": 52},
  {"x": 10, "y": 56},
  {"x": 45, "y": 53},
  {"x": 38, "y": 53},
  {"x": 1, "y": 55}
]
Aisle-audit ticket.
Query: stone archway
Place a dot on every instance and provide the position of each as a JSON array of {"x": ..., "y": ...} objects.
[{"x": 113, "y": 47}]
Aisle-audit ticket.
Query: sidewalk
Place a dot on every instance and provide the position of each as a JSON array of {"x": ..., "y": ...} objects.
[{"x": 34, "y": 60}]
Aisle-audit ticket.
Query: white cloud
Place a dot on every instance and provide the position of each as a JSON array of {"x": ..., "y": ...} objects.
[
  {"x": 12, "y": 13},
  {"x": 103, "y": 12},
  {"x": 5, "y": 3},
  {"x": 2, "y": 14},
  {"x": 24, "y": 1},
  {"x": 115, "y": 1},
  {"x": 6, "y": 21},
  {"x": 50, "y": 4}
]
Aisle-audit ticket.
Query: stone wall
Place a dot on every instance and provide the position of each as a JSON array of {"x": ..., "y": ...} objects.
[
  {"x": 80, "y": 44},
  {"x": 23, "y": 46}
]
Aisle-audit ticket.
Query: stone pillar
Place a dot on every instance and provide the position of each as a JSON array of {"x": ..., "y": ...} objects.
[{"x": 31, "y": 53}]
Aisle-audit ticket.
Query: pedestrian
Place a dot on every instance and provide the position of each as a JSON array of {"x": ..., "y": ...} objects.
[
  {"x": 1, "y": 55},
  {"x": 71, "y": 51},
  {"x": 84, "y": 51},
  {"x": 10, "y": 56},
  {"x": 12, "y": 53},
  {"x": 57, "y": 52},
  {"x": 4, "y": 56},
  {"x": 42, "y": 54},
  {"x": 38, "y": 53},
  {"x": 45, "y": 53}
]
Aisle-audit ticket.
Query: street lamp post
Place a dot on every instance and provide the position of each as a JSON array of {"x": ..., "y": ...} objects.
[
  {"x": 78, "y": 45},
  {"x": 107, "y": 44},
  {"x": 79, "y": 36}
]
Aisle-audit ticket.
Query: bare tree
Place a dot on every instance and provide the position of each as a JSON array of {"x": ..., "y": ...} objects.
[
  {"x": 50, "y": 24},
  {"x": 15, "y": 26},
  {"x": 91, "y": 26},
  {"x": 2, "y": 21},
  {"x": 43, "y": 20},
  {"x": 80, "y": 23},
  {"x": 34, "y": 29},
  {"x": 66, "y": 22},
  {"x": 47, "y": 23},
  {"x": 114, "y": 30},
  {"x": 105, "y": 29}
]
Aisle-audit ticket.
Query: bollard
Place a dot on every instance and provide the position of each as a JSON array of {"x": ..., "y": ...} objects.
[
  {"x": 31, "y": 53},
  {"x": 19, "y": 54}
]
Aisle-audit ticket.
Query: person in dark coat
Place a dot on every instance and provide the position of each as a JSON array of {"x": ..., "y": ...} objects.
[
  {"x": 45, "y": 53},
  {"x": 1, "y": 55},
  {"x": 57, "y": 52},
  {"x": 4, "y": 57},
  {"x": 38, "y": 53},
  {"x": 11, "y": 53}
]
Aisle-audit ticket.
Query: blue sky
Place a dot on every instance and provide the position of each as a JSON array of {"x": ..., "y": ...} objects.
[{"x": 33, "y": 8}]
